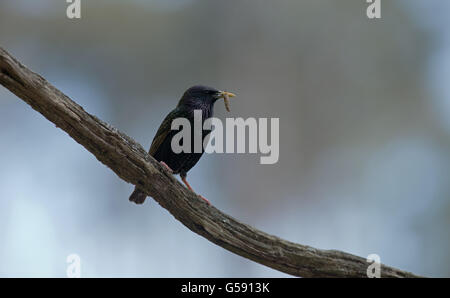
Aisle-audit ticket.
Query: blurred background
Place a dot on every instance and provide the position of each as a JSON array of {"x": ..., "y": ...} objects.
[{"x": 364, "y": 108}]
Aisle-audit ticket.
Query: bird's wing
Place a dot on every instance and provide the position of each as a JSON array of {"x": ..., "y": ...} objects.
[{"x": 164, "y": 130}]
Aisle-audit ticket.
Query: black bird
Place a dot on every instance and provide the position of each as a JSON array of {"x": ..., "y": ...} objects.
[{"x": 195, "y": 98}]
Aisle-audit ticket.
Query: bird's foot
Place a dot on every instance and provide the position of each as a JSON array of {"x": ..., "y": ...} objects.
[
  {"x": 166, "y": 166},
  {"x": 204, "y": 199},
  {"x": 183, "y": 178}
]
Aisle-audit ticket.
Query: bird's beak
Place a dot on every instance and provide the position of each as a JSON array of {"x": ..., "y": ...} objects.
[{"x": 224, "y": 94}]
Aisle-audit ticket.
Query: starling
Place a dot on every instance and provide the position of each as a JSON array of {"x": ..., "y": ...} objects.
[{"x": 195, "y": 98}]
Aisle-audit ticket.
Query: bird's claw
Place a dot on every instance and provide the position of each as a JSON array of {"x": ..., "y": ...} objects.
[
  {"x": 166, "y": 166},
  {"x": 204, "y": 199}
]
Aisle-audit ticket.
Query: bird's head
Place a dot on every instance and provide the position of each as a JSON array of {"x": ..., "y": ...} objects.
[{"x": 199, "y": 95}]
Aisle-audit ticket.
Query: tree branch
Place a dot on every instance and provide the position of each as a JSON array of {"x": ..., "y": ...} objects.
[{"x": 132, "y": 163}]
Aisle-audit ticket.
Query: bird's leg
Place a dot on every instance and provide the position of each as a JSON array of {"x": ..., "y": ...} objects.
[
  {"x": 183, "y": 178},
  {"x": 166, "y": 166}
]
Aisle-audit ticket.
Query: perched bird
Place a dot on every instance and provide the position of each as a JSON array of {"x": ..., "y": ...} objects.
[{"x": 195, "y": 98}]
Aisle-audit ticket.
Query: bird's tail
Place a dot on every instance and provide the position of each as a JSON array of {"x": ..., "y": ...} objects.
[{"x": 137, "y": 196}]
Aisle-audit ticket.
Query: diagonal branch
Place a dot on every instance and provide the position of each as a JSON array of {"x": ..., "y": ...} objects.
[{"x": 132, "y": 163}]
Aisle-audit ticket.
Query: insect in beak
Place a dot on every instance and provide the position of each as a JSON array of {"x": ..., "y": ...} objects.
[{"x": 226, "y": 98}]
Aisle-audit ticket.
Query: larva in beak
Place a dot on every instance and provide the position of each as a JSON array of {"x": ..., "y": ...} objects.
[{"x": 226, "y": 98}]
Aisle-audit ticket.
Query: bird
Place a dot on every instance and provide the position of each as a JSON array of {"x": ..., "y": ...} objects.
[{"x": 198, "y": 97}]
